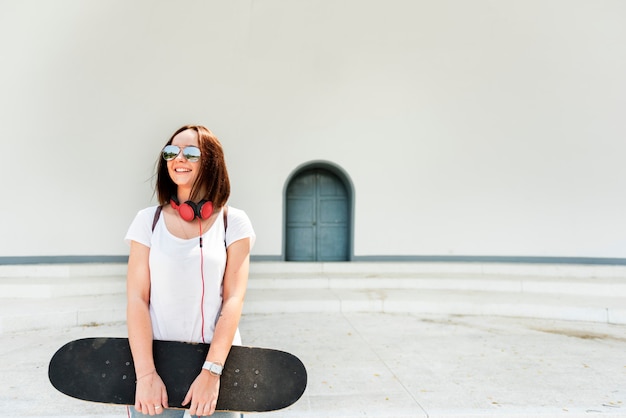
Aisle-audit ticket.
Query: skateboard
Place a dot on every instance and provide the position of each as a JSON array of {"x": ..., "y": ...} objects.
[{"x": 253, "y": 380}]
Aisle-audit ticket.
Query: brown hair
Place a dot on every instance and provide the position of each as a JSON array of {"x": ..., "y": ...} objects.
[{"x": 211, "y": 184}]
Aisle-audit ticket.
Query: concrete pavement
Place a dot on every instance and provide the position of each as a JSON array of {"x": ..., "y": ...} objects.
[{"x": 385, "y": 365}]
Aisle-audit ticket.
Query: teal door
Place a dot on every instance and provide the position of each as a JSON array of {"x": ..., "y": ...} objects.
[{"x": 317, "y": 217}]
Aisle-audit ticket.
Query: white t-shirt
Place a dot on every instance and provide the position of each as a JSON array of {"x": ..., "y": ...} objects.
[{"x": 176, "y": 285}]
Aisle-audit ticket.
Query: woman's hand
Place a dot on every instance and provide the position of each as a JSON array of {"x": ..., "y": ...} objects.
[
  {"x": 203, "y": 394},
  {"x": 150, "y": 395}
]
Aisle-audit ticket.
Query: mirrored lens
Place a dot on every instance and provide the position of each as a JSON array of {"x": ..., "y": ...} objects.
[
  {"x": 192, "y": 153},
  {"x": 170, "y": 152}
]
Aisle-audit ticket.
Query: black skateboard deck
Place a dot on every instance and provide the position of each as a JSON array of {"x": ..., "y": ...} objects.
[{"x": 253, "y": 380}]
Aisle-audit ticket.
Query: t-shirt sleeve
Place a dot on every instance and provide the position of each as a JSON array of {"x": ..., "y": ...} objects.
[
  {"x": 239, "y": 227},
  {"x": 140, "y": 229}
]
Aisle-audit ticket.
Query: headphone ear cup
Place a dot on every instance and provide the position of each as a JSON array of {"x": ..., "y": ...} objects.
[
  {"x": 205, "y": 209},
  {"x": 187, "y": 211}
]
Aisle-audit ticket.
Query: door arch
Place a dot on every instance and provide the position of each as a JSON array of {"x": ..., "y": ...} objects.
[{"x": 318, "y": 214}]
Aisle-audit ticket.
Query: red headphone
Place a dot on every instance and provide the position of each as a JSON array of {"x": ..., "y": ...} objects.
[{"x": 191, "y": 210}]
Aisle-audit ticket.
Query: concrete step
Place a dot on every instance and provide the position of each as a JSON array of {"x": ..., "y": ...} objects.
[
  {"x": 365, "y": 269},
  {"x": 420, "y": 269},
  {"x": 20, "y": 314},
  {"x": 607, "y": 287},
  {"x": 62, "y": 312},
  {"x": 66, "y": 296},
  {"x": 452, "y": 302},
  {"x": 46, "y": 281},
  {"x": 40, "y": 281},
  {"x": 62, "y": 270},
  {"x": 57, "y": 287}
]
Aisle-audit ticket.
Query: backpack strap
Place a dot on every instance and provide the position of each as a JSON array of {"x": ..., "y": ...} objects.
[
  {"x": 225, "y": 211},
  {"x": 157, "y": 213}
]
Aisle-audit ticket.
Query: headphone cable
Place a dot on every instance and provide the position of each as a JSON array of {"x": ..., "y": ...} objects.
[{"x": 202, "y": 277}]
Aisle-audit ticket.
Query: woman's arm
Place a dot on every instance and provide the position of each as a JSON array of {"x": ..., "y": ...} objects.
[
  {"x": 205, "y": 389},
  {"x": 151, "y": 395}
]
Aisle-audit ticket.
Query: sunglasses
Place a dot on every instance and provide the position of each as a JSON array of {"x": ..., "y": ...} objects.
[{"x": 190, "y": 153}]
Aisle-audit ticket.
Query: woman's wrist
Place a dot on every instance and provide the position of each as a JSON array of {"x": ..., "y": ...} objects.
[
  {"x": 143, "y": 375},
  {"x": 213, "y": 367}
]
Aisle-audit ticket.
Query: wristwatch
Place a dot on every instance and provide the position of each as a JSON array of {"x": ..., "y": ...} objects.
[{"x": 213, "y": 368}]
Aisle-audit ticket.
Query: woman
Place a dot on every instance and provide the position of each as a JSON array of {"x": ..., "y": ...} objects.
[{"x": 187, "y": 270}]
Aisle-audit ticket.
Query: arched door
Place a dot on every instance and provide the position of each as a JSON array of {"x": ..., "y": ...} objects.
[{"x": 318, "y": 217}]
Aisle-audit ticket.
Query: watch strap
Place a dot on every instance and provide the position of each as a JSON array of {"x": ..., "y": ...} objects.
[{"x": 213, "y": 368}]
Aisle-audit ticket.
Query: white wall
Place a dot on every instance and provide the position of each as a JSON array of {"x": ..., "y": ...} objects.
[{"x": 467, "y": 127}]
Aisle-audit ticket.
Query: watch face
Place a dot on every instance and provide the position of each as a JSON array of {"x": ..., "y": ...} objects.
[{"x": 213, "y": 368}]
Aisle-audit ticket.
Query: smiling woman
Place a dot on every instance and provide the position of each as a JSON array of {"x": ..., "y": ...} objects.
[
  {"x": 215, "y": 184},
  {"x": 184, "y": 167},
  {"x": 187, "y": 271}
]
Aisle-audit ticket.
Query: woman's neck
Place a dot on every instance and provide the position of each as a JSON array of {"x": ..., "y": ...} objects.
[{"x": 183, "y": 195}]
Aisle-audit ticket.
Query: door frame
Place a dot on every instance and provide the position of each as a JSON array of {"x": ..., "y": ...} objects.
[{"x": 345, "y": 180}]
